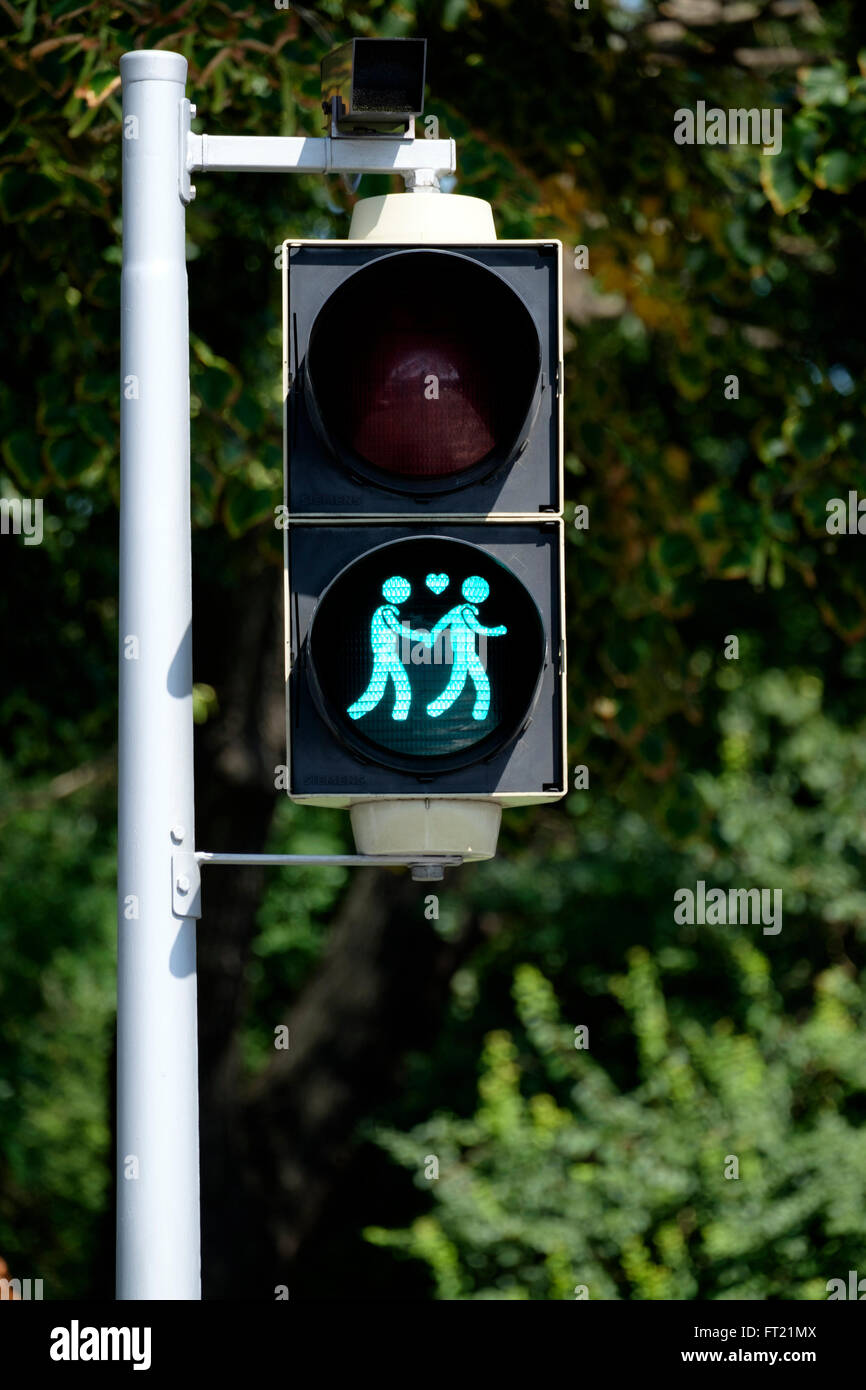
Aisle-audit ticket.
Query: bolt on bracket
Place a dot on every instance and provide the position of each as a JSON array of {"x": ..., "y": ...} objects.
[{"x": 185, "y": 884}]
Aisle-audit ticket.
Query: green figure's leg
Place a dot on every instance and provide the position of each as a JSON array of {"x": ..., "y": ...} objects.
[
  {"x": 482, "y": 688},
  {"x": 402, "y": 688},
  {"x": 452, "y": 690},
  {"x": 374, "y": 692}
]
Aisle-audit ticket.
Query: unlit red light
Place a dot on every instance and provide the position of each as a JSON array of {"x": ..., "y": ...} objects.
[
  {"x": 424, "y": 366},
  {"x": 421, "y": 402}
]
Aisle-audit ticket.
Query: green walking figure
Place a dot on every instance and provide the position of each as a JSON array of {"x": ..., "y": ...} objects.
[
  {"x": 464, "y": 625},
  {"x": 385, "y": 634}
]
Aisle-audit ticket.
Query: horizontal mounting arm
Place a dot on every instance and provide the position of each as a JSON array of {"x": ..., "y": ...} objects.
[
  {"x": 443, "y": 861},
  {"x": 186, "y": 869},
  {"x": 419, "y": 162},
  {"x": 300, "y": 154}
]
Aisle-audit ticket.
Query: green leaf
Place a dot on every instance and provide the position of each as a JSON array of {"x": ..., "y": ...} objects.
[
  {"x": 214, "y": 387},
  {"x": 100, "y": 80},
  {"x": 24, "y": 195},
  {"x": 204, "y": 702},
  {"x": 453, "y": 13},
  {"x": 783, "y": 183},
  {"x": 690, "y": 376},
  {"x": 678, "y": 553},
  {"x": 99, "y": 387},
  {"x": 739, "y": 235},
  {"x": 21, "y": 454},
  {"x": 28, "y": 23},
  {"x": 248, "y": 413},
  {"x": 219, "y": 384},
  {"x": 839, "y": 170},
  {"x": 808, "y": 436},
  {"x": 825, "y": 86},
  {"x": 807, "y": 135},
  {"x": 245, "y": 507},
  {"x": 52, "y": 416},
  {"x": 72, "y": 456},
  {"x": 86, "y": 119},
  {"x": 95, "y": 422}
]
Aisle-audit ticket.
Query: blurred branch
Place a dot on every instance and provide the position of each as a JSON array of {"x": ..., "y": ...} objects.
[
  {"x": 672, "y": 30},
  {"x": 315, "y": 24},
  {"x": 66, "y": 784}
]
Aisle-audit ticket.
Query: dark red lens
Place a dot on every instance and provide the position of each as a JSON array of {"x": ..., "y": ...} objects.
[
  {"x": 424, "y": 365},
  {"x": 420, "y": 402}
]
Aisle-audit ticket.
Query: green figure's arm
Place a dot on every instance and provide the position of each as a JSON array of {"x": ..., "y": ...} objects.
[
  {"x": 472, "y": 622},
  {"x": 391, "y": 619},
  {"x": 445, "y": 621}
]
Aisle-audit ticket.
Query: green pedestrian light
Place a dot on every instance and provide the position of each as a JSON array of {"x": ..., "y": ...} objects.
[{"x": 404, "y": 667}]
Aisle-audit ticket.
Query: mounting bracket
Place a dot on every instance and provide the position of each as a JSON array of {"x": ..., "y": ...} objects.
[
  {"x": 186, "y": 869},
  {"x": 419, "y": 162}
]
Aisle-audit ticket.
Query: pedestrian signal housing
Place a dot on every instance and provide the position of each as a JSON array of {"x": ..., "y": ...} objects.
[{"x": 424, "y": 546}]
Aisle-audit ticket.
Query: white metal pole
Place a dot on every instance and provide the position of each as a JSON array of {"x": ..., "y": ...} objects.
[{"x": 158, "y": 1243}]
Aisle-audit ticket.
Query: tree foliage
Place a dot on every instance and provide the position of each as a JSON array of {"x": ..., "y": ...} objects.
[{"x": 707, "y": 506}]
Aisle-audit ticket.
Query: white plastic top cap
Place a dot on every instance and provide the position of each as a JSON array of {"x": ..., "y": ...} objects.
[
  {"x": 152, "y": 65},
  {"x": 422, "y": 217}
]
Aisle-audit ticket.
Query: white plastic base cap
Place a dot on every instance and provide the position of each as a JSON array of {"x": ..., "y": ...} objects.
[
  {"x": 467, "y": 828},
  {"x": 422, "y": 217}
]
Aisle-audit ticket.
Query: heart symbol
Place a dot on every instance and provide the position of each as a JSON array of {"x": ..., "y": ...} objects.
[{"x": 437, "y": 582}]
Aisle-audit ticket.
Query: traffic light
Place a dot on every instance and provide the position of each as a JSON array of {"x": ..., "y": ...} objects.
[{"x": 424, "y": 543}]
